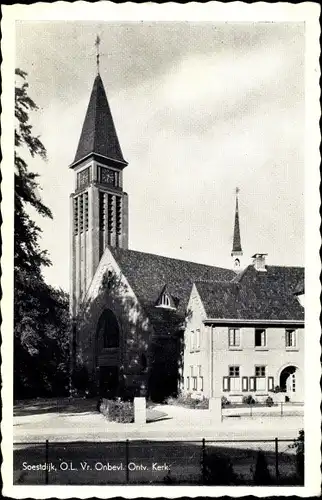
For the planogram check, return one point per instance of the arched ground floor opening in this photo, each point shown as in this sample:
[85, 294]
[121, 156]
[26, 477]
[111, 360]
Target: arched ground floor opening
[291, 383]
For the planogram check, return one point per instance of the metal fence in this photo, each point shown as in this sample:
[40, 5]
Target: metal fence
[212, 462]
[240, 410]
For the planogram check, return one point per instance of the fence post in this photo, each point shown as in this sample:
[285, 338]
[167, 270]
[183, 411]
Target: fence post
[127, 460]
[251, 410]
[281, 408]
[46, 461]
[276, 461]
[203, 461]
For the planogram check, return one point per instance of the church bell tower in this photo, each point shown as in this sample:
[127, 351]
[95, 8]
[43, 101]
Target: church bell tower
[99, 206]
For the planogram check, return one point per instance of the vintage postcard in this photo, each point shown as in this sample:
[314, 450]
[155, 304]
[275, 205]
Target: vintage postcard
[161, 250]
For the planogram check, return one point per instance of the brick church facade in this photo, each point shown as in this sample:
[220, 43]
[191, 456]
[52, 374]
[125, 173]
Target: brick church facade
[130, 309]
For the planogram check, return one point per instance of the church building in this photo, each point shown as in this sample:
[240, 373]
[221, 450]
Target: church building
[152, 325]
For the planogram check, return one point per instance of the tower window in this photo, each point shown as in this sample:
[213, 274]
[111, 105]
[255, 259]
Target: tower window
[110, 213]
[118, 215]
[75, 216]
[81, 214]
[86, 210]
[102, 211]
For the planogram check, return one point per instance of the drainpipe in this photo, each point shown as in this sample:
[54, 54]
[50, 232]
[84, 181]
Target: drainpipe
[211, 362]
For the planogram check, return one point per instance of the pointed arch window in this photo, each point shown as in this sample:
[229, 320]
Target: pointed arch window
[108, 330]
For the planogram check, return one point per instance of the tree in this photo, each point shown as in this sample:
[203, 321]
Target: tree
[40, 311]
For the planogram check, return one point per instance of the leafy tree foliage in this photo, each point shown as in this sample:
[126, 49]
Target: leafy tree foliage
[40, 312]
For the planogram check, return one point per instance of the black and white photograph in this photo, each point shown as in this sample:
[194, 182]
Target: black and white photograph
[162, 232]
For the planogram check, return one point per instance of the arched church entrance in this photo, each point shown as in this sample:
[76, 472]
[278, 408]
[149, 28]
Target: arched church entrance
[290, 383]
[108, 355]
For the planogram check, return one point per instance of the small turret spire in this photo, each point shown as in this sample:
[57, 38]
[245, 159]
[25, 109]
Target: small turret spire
[237, 251]
[97, 45]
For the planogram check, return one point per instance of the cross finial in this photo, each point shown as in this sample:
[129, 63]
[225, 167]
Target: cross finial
[97, 45]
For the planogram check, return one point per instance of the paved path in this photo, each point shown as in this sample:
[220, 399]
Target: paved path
[79, 421]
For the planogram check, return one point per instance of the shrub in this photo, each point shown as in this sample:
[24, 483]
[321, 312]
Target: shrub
[188, 401]
[224, 402]
[249, 400]
[262, 475]
[117, 411]
[269, 401]
[299, 449]
[218, 470]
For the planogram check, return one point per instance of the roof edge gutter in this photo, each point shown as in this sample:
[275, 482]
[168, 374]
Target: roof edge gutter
[254, 321]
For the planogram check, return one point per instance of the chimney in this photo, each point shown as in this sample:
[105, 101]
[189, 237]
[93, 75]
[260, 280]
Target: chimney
[259, 261]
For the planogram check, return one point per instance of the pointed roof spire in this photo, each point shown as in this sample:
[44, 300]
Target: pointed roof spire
[98, 134]
[237, 249]
[97, 45]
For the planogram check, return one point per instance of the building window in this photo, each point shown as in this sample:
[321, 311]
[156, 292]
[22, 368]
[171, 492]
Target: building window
[165, 301]
[197, 338]
[83, 178]
[225, 384]
[192, 341]
[252, 383]
[270, 383]
[260, 371]
[260, 337]
[200, 378]
[234, 378]
[108, 331]
[234, 371]
[290, 338]
[234, 337]
[188, 383]
[245, 383]
[260, 374]
[195, 382]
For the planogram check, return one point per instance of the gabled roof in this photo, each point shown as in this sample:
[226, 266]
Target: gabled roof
[255, 295]
[150, 274]
[98, 134]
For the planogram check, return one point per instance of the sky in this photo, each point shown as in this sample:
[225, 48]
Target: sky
[199, 108]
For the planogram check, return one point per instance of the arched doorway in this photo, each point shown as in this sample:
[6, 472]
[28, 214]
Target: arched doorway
[289, 382]
[107, 340]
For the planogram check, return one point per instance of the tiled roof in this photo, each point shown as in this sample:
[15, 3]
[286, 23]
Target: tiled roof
[148, 274]
[98, 133]
[255, 295]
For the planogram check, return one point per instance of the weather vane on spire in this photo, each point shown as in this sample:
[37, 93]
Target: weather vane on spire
[97, 45]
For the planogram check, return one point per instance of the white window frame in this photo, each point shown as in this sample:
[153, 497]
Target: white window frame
[263, 338]
[232, 337]
[260, 377]
[197, 339]
[290, 335]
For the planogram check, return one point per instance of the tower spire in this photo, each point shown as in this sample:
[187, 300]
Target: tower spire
[237, 251]
[97, 45]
